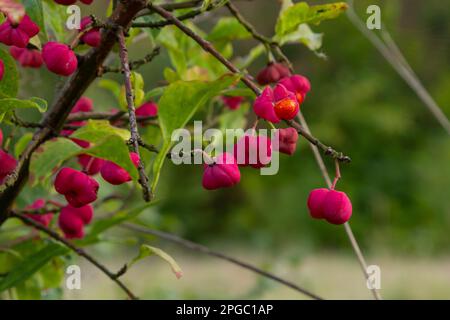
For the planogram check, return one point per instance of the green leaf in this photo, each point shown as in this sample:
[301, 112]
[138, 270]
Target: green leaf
[9, 85]
[36, 12]
[146, 251]
[107, 142]
[96, 130]
[154, 93]
[178, 104]
[100, 226]
[304, 35]
[8, 105]
[110, 85]
[50, 156]
[22, 144]
[239, 92]
[30, 265]
[55, 16]
[113, 148]
[228, 29]
[301, 12]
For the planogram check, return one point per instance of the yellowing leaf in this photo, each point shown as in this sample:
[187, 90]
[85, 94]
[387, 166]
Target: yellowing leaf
[146, 251]
[299, 13]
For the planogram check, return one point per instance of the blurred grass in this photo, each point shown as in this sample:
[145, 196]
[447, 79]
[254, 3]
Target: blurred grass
[330, 275]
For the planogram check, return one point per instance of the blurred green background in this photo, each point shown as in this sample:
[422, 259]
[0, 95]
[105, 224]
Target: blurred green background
[399, 178]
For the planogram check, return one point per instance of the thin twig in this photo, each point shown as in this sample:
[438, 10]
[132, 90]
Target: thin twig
[203, 249]
[393, 55]
[208, 47]
[135, 138]
[76, 249]
[347, 227]
[315, 145]
[329, 151]
[273, 45]
[133, 64]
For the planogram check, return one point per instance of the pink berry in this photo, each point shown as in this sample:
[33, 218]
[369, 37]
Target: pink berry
[18, 35]
[78, 188]
[315, 202]
[223, 173]
[70, 223]
[297, 84]
[84, 104]
[91, 37]
[148, 109]
[233, 103]
[43, 219]
[7, 165]
[331, 205]
[31, 58]
[263, 106]
[87, 1]
[91, 165]
[116, 175]
[337, 207]
[287, 140]
[276, 105]
[273, 73]
[1, 137]
[255, 151]
[2, 69]
[59, 58]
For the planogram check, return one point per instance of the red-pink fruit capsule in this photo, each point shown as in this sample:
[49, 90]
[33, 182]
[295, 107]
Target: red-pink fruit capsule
[91, 165]
[43, 219]
[148, 109]
[297, 84]
[78, 188]
[273, 73]
[286, 105]
[85, 213]
[84, 104]
[287, 140]
[223, 173]
[59, 58]
[18, 34]
[337, 207]
[87, 1]
[316, 202]
[7, 165]
[115, 174]
[91, 37]
[255, 151]
[1, 137]
[31, 58]
[264, 106]
[70, 223]
[233, 103]
[2, 69]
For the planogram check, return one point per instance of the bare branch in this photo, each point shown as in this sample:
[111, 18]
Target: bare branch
[135, 138]
[203, 249]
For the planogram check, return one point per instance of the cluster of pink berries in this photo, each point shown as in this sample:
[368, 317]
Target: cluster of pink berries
[59, 58]
[78, 187]
[280, 103]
